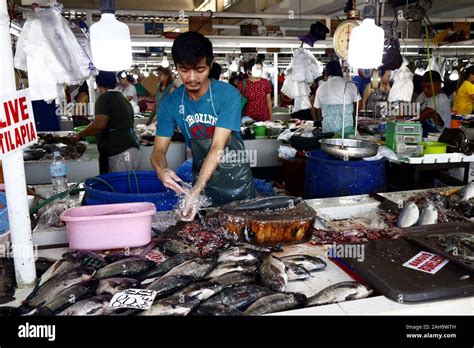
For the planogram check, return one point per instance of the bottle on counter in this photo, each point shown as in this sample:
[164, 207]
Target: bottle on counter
[58, 169]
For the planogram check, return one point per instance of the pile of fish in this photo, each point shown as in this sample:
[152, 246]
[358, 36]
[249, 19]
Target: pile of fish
[456, 206]
[460, 245]
[243, 279]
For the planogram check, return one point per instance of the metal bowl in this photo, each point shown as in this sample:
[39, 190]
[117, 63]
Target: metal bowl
[349, 148]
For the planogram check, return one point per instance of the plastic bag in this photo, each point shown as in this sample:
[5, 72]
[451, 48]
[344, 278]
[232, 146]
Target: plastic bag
[286, 152]
[402, 89]
[285, 135]
[383, 152]
[50, 215]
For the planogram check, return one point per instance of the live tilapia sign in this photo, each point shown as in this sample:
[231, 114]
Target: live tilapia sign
[17, 122]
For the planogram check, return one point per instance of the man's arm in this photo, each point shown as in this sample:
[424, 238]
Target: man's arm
[159, 163]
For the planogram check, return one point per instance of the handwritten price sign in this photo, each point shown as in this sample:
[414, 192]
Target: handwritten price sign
[133, 298]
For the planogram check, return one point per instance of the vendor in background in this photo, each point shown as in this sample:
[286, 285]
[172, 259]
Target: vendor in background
[329, 100]
[431, 120]
[464, 100]
[127, 88]
[165, 87]
[208, 114]
[374, 96]
[113, 127]
[81, 98]
[258, 92]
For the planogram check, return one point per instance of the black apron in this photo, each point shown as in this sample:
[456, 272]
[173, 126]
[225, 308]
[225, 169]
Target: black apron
[232, 180]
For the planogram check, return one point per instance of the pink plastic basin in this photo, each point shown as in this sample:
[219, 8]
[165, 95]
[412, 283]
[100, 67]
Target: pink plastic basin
[111, 226]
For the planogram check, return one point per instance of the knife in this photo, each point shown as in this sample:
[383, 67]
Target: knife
[386, 204]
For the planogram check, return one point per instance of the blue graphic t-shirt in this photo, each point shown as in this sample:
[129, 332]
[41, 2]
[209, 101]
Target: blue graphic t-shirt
[197, 119]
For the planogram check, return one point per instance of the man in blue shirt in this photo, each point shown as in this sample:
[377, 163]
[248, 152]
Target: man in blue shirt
[208, 114]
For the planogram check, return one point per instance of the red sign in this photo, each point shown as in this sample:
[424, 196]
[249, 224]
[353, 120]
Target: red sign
[17, 122]
[426, 262]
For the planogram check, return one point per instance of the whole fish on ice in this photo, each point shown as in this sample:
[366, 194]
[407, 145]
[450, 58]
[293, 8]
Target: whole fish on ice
[409, 215]
[429, 215]
[344, 291]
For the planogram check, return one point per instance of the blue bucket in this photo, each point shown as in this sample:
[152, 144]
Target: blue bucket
[4, 225]
[327, 176]
[145, 187]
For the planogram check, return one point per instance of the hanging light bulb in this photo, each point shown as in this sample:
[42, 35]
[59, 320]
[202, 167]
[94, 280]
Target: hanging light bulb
[111, 45]
[165, 62]
[366, 42]
[454, 75]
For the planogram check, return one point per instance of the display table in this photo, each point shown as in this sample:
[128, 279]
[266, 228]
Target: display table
[334, 208]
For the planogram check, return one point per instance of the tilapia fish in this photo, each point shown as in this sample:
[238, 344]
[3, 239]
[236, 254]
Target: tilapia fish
[216, 309]
[229, 267]
[175, 305]
[7, 280]
[129, 267]
[409, 215]
[237, 255]
[276, 303]
[113, 285]
[42, 264]
[202, 290]
[96, 305]
[58, 283]
[236, 278]
[273, 274]
[295, 272]
[85, 258]
[56, 268]
[168, 285]
[174, 246]
[166, 266]
[309, 263]
[197, 268]
[344, 291]
[68, 297]
[239, 297]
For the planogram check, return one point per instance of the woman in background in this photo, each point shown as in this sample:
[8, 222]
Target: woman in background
[258, 92]
[373, 96]
[464, 100]
[165, 87]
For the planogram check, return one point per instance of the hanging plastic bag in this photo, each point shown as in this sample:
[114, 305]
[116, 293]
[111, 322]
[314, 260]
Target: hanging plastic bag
[402, 89]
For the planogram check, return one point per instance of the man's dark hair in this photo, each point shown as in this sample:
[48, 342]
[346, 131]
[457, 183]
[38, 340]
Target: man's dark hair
[106, 79]
[333, 68]
[216, 71]
[434, 75]
[190, 47]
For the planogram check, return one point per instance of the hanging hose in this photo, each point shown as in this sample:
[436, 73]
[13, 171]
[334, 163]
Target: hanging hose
[66, 193]
[429, 69]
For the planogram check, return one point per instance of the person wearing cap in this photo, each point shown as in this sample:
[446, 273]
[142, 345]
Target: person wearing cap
[207, 112]
[330, 98]
[113, 127]
[435, 112]
[127, 89]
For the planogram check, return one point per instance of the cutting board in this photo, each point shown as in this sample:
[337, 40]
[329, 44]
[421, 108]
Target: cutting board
[382, 267]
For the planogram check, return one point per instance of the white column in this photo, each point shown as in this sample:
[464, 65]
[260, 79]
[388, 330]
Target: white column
[275, 80]
[91, 80]
[14, 173]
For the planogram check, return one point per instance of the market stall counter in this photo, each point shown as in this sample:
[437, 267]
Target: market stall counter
[312, 272]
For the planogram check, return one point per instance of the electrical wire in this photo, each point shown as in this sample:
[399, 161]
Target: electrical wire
[429, 69]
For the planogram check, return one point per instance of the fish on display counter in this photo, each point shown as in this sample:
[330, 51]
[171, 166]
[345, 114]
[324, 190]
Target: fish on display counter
[276, 303]
[340, 292]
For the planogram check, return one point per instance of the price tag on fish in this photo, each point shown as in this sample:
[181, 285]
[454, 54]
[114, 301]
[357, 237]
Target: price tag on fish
[133, 298]
[426, 262]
